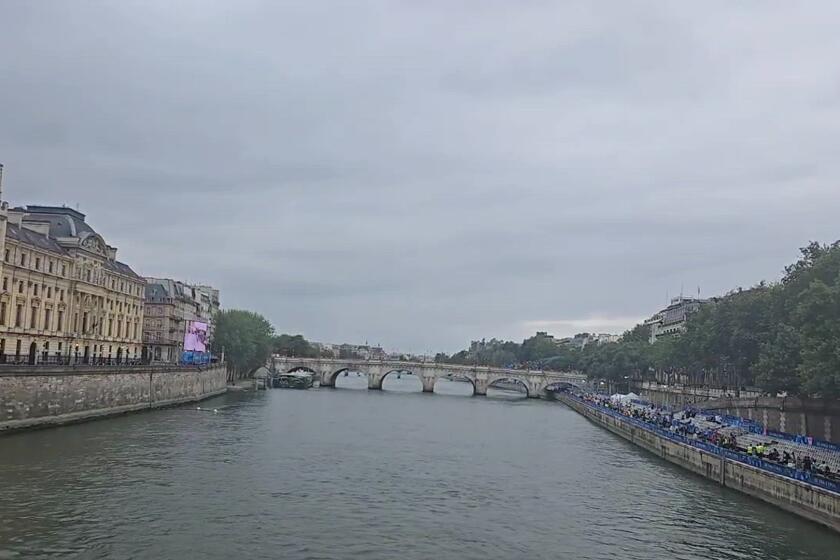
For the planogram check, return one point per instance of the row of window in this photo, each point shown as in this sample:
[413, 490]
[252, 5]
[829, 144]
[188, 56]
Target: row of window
[37, 289]
[98, 349]
[93, 276]
[50, 266]
[24, 260]
[20, 318]
[44, 321]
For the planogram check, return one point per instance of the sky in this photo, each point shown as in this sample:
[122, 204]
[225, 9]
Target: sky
[420, 174]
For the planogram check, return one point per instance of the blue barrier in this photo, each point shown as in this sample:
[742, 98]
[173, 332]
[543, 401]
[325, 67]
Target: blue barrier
[803, 476]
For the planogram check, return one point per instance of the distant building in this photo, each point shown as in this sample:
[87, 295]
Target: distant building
[170, 306]
[361, 351]
[672, 320]
[207, 298]
[604, 338]
[580, 340]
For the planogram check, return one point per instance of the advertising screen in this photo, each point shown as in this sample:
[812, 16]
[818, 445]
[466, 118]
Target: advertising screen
[195, 339]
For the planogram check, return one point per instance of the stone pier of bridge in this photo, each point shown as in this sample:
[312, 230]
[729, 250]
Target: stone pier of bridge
[482, 378]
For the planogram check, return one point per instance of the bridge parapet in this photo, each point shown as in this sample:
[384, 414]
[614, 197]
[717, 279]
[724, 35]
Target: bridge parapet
[481, 377]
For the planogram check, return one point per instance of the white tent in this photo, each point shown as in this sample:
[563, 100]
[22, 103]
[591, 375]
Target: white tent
[618, 397]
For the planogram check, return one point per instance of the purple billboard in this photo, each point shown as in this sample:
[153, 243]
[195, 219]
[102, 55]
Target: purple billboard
[195, 340]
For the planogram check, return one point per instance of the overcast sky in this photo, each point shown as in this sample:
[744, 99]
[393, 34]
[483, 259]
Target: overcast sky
[419, 174]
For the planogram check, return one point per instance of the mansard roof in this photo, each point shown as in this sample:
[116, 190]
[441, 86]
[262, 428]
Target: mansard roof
[34, 239]
[64, 222]
[121, 268]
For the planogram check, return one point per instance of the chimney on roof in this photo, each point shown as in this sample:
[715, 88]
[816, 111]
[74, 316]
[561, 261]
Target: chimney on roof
[3, 204]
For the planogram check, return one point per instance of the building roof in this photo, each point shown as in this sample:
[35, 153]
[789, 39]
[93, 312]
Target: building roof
[121, 268]
[158, 290]
[64, 222]
[35, 239]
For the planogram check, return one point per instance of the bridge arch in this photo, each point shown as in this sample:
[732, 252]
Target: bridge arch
[559, 386]
[492, 384]
[397, 373]
[332, 377]
[457, 377]
[351, 376]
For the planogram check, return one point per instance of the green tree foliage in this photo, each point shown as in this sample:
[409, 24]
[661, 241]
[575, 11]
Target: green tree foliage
[245, 337]
[294, 345]
[813, 287]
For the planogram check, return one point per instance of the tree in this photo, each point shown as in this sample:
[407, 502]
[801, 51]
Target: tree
[817, 315]
[245, 338]
[294, 345]
[778, 362]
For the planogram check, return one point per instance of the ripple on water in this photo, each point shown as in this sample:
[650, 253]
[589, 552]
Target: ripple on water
[337, 474]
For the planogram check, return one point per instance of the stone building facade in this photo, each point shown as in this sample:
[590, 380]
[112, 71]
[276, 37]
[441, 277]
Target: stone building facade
[170, 305]
[672, 320]
[65, 297]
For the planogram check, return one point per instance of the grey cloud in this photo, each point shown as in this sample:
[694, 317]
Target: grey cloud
[419, 174]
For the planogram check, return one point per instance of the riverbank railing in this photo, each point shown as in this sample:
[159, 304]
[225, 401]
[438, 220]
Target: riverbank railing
[808, 477]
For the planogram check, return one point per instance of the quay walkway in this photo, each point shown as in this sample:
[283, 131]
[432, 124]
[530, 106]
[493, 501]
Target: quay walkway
[800, 491]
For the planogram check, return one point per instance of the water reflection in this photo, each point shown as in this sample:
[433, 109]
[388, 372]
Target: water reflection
[453, 387]
[402, 382]
[507, 389]
[351, 380]
[361, 474]
[509, 394]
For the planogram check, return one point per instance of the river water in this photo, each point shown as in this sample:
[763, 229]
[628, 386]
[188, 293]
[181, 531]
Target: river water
[336, 473]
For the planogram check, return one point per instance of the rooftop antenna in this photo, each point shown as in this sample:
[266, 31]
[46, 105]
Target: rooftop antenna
[682, 285]
[1, 181]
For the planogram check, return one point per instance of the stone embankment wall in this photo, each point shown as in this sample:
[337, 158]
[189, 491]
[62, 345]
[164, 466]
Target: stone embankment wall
[810, 417]
[682, 395]
[797, 497]
[35, 397]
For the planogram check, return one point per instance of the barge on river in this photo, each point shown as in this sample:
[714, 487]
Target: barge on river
[294, 380]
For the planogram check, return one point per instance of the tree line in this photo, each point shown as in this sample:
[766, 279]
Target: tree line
[780, 337]
[247, 340]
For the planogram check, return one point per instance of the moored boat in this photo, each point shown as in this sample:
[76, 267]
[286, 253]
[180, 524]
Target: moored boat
[294, 380]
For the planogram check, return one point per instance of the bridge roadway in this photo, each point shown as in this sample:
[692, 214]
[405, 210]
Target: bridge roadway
[327, 370]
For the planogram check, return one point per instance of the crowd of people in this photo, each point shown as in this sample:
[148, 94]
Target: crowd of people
[714, 430]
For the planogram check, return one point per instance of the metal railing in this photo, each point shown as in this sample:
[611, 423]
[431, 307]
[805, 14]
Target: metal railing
[73, 360]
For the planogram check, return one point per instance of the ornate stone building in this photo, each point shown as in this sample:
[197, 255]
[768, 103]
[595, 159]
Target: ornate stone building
[65, 297]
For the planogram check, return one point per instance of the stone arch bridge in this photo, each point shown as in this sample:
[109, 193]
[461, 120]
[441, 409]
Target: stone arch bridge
[327, 370]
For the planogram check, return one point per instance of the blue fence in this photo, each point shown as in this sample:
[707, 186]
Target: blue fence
[781, 470]
[758, 428]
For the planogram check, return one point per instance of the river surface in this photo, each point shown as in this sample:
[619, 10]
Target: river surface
[337, 473]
